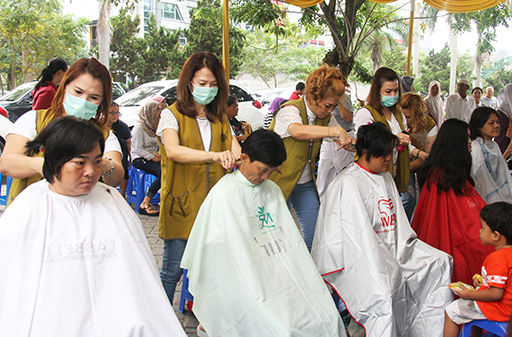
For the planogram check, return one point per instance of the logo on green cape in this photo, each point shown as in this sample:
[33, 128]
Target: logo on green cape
[265, 218]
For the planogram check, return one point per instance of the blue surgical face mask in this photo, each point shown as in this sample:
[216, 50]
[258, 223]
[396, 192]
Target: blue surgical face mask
[80, 108]
[204, 95]
[389, 101]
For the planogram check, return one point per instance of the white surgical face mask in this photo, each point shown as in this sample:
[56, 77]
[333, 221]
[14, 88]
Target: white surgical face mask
[80, 108]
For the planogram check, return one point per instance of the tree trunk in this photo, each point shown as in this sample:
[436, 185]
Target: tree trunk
[478, 62]
[342, 53]
[453, 61]
[103, 33]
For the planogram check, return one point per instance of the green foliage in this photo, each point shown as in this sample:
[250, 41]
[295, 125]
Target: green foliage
[31, 33]
[124, 45]
[486, 23]
[436, 66]
[499, 79]
[142, 59]
[267, 55]
[205, 34]
[350, 23]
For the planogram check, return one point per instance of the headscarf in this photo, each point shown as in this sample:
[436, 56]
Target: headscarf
[505, 100]
[149, 115]
[435, 104]
[276, 103]
[406, 83]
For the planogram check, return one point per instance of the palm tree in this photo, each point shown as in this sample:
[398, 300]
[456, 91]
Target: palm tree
[103, 32]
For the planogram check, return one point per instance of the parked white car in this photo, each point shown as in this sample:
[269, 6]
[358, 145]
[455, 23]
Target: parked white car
[5, 127]
[268, 95]
[249, 108]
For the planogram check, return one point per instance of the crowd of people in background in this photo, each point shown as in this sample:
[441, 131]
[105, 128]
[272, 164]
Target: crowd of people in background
[399, 205]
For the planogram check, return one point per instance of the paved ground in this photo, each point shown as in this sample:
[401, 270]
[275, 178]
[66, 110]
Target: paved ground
[187, 319]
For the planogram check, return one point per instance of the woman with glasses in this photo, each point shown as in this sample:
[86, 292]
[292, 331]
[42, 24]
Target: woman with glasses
[302, 124]
[85, 92]
[124, 136]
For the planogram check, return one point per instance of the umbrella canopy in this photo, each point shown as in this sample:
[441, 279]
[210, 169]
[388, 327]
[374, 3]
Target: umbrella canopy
[452, 6]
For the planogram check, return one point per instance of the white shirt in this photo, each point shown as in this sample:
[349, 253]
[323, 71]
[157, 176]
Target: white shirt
[26, 126]
[169, 121]
[291, 114]
[460, 108]
[490, 102]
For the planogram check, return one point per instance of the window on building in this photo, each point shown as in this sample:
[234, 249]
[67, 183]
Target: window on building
[148, 10]
[171, 11]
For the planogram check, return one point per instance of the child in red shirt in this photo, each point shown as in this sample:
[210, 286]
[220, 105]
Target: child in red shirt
[493, 298]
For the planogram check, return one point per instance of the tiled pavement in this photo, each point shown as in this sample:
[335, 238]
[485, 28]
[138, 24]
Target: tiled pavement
[187, 319]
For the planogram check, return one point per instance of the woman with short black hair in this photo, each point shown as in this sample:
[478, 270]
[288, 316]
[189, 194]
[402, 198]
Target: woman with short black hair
[74, 260]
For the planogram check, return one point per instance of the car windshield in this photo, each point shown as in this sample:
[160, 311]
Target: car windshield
[18, 92]
[135, 96]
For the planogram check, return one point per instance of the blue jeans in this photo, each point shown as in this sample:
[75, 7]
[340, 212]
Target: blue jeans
[304, 200]
[409, 197]
[171, 272]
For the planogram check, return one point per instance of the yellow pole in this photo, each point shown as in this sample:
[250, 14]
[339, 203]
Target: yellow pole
[411, 26]
[225, 39]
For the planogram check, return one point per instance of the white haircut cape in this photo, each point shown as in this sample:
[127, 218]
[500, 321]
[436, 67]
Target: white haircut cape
[392, 283]
[79, 266]
[250, 272]
[490, 172]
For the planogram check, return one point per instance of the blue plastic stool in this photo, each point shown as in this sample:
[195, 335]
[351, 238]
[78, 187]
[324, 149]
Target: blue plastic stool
[495, 328]
[138, 184]
[185, 295]
[147, 183]
[4, 198]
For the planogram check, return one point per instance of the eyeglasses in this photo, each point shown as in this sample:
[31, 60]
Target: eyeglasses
[114, 113]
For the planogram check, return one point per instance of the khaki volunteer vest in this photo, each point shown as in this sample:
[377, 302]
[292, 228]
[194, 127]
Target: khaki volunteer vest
[299, 153]
[185, 186]
[403, 168]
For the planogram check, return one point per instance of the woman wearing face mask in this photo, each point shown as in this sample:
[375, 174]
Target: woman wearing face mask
[302, 124]
[197, 149]
[85, 92]
[383, 107]
[46, 88]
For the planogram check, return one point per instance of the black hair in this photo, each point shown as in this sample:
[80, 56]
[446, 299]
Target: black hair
[300, 86]
[231, 100]
[376, 139]
[265, 146]
[62, 140]
[53, 66]
[477, 88]
[498, 216]
[478, 119]
[449, 163]
[114, 104]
